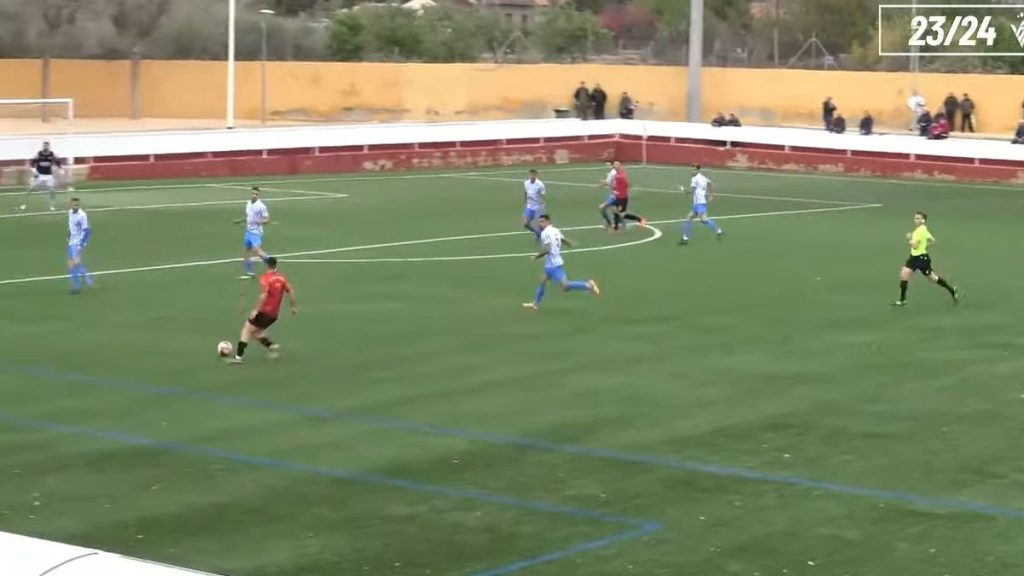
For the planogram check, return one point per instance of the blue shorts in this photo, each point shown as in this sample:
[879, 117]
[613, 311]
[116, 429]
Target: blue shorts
[610, 200]
[554, 273]
[700, 209]
[74, 251]
[531, 214]
[253, 240]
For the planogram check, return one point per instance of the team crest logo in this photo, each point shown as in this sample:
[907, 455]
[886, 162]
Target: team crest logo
[1018, 30]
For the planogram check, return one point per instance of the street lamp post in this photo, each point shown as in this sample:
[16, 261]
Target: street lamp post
[263, 64]
[232, 11]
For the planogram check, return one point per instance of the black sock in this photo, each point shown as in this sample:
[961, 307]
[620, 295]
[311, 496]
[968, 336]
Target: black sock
[266, 342]
[618, 220]
[632, 217]
[903, 290]
[942, 282]
[241, 348]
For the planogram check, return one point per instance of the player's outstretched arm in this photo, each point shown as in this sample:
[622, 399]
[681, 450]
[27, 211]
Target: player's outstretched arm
[291, 296]
[542, 253]
[567, 242]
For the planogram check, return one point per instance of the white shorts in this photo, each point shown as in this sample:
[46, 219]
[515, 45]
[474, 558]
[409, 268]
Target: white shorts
[47, 181]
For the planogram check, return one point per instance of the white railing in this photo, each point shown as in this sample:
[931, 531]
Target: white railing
[338, 136]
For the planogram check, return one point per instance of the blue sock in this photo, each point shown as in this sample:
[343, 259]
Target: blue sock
[540, 294]
[687, 228]
[76, 280]
[248, 265]
[578, 285]
[530, 227]
[84, 272]
[265, 258]
[607, 218]
[711, 224]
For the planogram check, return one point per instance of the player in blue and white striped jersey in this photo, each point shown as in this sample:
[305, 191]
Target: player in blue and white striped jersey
[609, 201]
[256, 216]
[700, 187]
[554, 265]
[78, 238]
[534, 194]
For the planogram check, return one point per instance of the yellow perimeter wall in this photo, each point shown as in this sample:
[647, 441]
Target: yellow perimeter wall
[388, 92]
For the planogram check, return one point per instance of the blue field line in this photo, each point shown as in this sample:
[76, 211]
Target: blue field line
[639, 527]
[946, 504]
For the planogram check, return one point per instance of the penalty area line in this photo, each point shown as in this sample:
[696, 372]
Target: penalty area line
[657, 234]
[286, 255]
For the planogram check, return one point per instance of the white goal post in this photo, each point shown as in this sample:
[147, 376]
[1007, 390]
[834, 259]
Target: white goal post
[45, 117]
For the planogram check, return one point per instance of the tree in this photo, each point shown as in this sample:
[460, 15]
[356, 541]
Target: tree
[567, 33]
[136, 21]
[450, 34]
[294, 7]
[496, 33]
[392, 32]
[836, 23]
[347, 41]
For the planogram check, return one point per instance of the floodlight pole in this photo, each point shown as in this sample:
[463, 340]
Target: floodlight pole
[263, 64]
[232, 12]
[695, 61]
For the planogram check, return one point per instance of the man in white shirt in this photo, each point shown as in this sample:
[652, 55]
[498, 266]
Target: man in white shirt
[78, 238]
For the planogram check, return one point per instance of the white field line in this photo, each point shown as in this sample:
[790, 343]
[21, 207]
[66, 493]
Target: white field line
[248, 183]
[272, 189]
[848, 178]
[409, 243]
[657, 234]
[678, 191]
[239, 202]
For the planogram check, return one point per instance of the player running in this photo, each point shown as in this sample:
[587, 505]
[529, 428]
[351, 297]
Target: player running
[700, 187]
[609, 183]
[554, 270]
[621, 190]
[920, 261]
[78, 238]
[42, 165]
[256, 217]
[273, 287]
[533, 197]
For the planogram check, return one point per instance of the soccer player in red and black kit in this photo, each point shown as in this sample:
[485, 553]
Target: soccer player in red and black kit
[621, 190]
[273, 287]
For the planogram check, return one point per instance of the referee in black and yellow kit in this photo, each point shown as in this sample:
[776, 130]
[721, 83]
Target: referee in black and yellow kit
[920, 261]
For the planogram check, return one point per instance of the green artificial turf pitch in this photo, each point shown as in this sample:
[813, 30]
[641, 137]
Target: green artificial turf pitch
[751, 407]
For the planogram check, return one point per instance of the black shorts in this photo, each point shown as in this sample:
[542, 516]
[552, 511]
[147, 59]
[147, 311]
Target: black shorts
[621, 204]
[921, 263]
[262, 320]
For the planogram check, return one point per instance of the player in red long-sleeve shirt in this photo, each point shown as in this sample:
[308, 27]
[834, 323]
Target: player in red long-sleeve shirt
[621, 189]
[273, 287]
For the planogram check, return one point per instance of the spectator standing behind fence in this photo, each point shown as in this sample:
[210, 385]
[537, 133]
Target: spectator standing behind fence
[966, 114]
[1018, 138]
[828, 110]
[719, 120]
[733, 120]
[600, 99]
[867, 124]
[916, 105]
[839, 124]
[581, 97]
[626, 107]
[951, 104]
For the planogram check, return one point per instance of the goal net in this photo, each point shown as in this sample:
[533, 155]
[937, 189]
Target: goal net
[45, 119]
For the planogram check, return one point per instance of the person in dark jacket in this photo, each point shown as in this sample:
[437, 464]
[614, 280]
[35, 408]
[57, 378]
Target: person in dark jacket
[951, 104]
[1018, 138]
[600, 99]
[719, 120]
[867, 124]
[839, 124]
[581, 98]
[828, 110]
[733, 120]
[626, 107]
[966, 114]
[924, 122]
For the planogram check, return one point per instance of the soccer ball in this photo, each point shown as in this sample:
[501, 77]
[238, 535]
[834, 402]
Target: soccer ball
[224, 349]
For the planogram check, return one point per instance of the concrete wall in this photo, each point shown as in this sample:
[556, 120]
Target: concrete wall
[389, 92]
